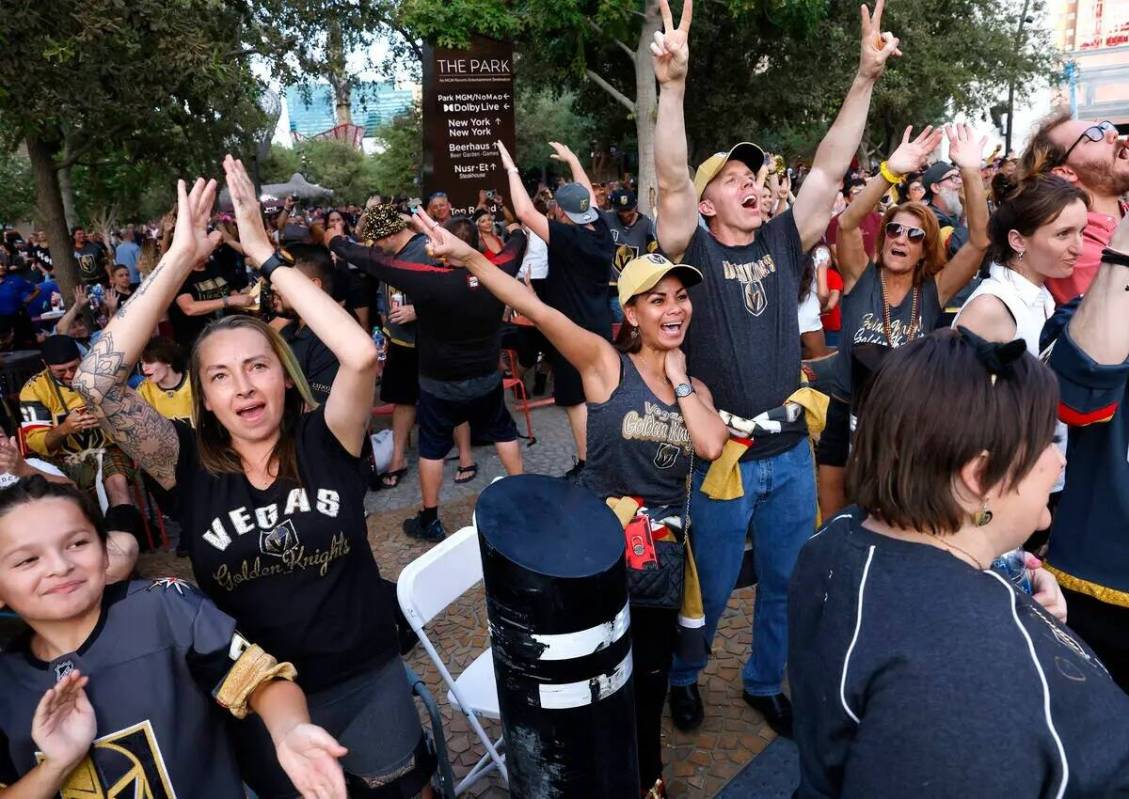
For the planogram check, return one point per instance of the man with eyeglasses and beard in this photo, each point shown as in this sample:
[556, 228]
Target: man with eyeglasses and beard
[1095, 157]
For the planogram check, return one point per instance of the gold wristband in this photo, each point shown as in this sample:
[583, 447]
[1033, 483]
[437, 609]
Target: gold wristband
[889, 175]
[253, 668]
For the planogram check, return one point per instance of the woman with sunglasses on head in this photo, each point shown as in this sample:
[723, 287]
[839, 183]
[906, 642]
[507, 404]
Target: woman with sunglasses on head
[898, 296]
[272, 499]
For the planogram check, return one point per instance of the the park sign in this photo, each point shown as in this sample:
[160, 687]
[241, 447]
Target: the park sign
[468, 105]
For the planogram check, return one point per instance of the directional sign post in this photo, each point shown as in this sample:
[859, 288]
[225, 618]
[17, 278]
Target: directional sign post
[468, 105]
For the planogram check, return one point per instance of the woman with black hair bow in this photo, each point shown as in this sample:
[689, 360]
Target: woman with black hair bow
[915, 669]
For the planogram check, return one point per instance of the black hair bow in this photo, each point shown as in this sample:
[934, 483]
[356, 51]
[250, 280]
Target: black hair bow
[997, 358]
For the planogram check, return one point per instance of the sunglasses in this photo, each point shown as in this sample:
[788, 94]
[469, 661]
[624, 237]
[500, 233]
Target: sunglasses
[893, 230]
[1094, 133]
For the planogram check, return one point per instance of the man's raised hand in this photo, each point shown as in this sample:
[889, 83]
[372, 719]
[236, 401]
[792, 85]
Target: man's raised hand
[877, 45]
[670, 50]
[507, 160]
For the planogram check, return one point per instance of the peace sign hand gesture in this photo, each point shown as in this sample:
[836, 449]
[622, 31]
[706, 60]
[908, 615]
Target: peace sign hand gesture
[912, 155]
[441, 243]
[877, 46]
[670, 50]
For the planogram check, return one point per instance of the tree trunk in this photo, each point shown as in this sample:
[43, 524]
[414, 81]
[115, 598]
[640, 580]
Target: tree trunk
[51, 214]
[66, 188]
[338, 74]
[646, 109]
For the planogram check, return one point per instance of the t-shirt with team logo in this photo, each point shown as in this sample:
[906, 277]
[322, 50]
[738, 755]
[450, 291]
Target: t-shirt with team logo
[209, 283]
[638, 445]
[291, 563]
[90, 259]
[158, 652]
[630, 242]
[744, 339]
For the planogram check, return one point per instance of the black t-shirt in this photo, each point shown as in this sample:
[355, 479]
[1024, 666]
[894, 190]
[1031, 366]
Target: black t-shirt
[90, 263]
[914, 674]
[231, 266]
[458, 322]
[318, 362]
[744, 339]
[579, 265]
[157, 653]
[291, 563]
[209, 283]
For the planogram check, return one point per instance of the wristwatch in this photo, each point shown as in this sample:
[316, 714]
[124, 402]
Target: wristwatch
[280, 258]
[683, 390]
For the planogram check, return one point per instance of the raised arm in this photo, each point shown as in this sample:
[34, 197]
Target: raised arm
[908, 157]
[564, 154]
[593, 357]
[529, 216]
[349, 405]
[678, 201]
[1098, 327]
[81, 302]
[833, 157]
[965, 151]
[137, 428]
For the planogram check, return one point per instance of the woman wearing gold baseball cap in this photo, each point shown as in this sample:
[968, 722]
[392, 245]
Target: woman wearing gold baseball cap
[646, 420]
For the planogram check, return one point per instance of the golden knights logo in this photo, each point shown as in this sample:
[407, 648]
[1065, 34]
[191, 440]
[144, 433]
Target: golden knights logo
[122, 765]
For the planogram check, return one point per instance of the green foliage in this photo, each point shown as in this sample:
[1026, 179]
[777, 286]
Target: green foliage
[541, 116]
[17, 189]
[142, 79]
[396, 169]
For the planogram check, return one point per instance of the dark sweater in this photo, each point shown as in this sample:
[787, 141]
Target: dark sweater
[913, 674]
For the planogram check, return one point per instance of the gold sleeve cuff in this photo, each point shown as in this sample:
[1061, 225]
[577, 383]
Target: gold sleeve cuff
[253, 668]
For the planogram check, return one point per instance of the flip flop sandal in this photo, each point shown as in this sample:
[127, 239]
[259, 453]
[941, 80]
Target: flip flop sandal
[395, 477]
[473, 469]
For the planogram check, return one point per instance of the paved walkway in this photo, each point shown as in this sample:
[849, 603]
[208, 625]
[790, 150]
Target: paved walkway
[697, 765]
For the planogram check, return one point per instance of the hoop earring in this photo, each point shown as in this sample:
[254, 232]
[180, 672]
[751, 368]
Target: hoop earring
[982, 517]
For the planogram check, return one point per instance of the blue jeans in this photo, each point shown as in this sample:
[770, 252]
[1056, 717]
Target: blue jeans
[778, 509]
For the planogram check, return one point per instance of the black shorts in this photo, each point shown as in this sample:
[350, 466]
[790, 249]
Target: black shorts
[835, 442]
[372, 714]
[399, 382]
[488, 415]
[568, 390]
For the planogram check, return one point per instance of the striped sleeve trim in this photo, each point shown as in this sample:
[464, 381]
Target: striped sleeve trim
[1076, 418]
[1102, 593]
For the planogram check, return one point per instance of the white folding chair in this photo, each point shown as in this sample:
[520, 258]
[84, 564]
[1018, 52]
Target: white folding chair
[426, 587]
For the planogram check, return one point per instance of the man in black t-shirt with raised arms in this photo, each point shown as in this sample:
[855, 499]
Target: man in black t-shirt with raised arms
[205, 295]
[580, 250]
[459, 340]
[744, 344]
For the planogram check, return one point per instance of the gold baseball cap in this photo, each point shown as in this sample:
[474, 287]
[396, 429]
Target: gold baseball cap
[746, 152]
[643, 274]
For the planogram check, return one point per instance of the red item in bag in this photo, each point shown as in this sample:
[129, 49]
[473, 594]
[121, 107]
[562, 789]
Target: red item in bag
[640, 544]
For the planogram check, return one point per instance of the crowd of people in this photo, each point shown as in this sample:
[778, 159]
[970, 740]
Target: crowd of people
[900, 382]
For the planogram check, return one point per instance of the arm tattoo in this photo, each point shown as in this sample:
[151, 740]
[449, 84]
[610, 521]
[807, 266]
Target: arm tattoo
[102, 368]
[141, 432]
[144, 287]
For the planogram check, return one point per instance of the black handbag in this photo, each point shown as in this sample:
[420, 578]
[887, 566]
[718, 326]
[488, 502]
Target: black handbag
[662, 587]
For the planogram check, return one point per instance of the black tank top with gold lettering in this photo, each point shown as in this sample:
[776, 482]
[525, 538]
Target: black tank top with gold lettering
[638, 445]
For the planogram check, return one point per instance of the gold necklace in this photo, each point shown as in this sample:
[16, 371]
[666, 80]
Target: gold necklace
[911, 331]
[963, 551]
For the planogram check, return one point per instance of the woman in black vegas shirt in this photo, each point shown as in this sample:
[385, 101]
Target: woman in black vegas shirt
[272, 500]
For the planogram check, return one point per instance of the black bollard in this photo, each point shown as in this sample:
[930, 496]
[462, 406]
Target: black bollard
[556, 595]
